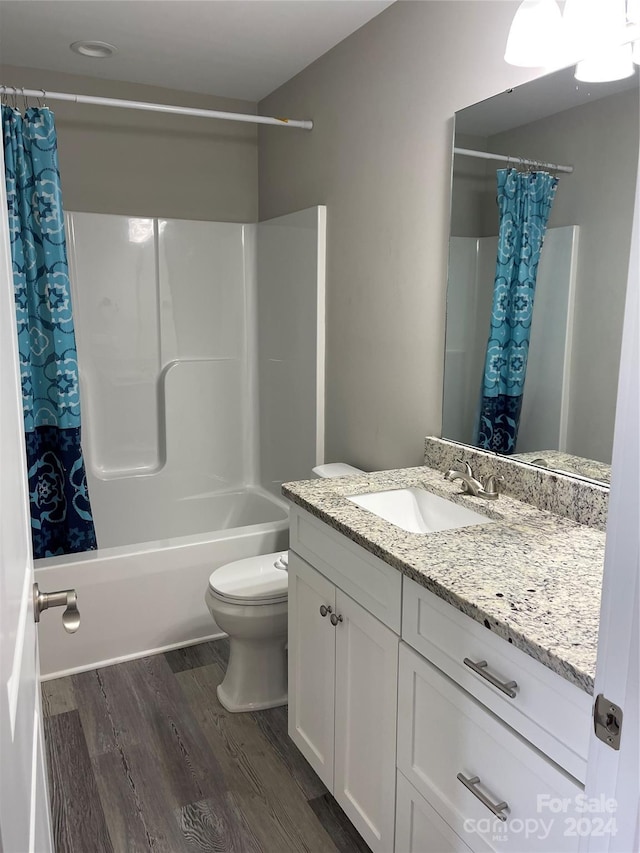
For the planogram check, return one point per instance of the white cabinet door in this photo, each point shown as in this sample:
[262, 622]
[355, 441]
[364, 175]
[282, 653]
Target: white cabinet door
[365, 722]
[312, 643]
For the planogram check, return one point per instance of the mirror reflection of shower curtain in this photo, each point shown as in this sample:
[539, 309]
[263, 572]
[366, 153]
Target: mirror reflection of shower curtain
[524, 201]
[61, 519]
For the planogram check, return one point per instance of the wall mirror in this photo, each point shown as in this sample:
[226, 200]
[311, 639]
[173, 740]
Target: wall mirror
[574, 334]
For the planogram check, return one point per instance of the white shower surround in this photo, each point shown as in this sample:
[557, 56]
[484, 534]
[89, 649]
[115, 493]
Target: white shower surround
[201, 352]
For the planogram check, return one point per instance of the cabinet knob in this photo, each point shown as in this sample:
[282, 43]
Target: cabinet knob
[335, 619]
[324, 609]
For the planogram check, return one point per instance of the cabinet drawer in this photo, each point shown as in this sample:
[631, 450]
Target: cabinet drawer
[546, 709]
[367, 579]
[419, 827]
[444, 732]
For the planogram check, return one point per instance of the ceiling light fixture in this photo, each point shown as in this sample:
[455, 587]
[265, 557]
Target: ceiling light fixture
[592, 27]
[633, 14]
[596, 34]
[94, 49]
[611, 64]
[533, 38]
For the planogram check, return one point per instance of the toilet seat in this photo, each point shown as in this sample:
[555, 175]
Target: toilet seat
[256, 675]
[254, 580]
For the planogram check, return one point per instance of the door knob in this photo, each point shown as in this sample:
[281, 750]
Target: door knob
[66, 598]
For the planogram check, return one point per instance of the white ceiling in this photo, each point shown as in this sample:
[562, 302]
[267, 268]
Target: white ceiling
[235, 48]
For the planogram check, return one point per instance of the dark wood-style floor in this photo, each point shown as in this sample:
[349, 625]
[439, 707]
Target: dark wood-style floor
[142, 757]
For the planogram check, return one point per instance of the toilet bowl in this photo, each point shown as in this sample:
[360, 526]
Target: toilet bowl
[248, 600]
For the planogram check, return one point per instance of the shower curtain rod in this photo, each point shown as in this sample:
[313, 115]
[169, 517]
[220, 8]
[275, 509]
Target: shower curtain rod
[13, 91]
[521, 161]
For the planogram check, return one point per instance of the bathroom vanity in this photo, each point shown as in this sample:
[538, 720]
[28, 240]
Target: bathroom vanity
[441, 684]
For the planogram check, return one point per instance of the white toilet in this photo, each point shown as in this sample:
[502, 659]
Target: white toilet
[248, 600]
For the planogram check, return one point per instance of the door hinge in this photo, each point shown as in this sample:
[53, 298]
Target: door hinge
[607, 720]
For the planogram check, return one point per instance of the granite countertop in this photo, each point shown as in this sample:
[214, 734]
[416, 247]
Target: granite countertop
[568, 463]
[532, 577]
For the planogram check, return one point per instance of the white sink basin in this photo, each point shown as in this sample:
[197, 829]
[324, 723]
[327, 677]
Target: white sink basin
[418, 511]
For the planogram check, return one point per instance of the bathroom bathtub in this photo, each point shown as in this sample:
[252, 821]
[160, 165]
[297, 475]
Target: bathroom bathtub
[145, 598]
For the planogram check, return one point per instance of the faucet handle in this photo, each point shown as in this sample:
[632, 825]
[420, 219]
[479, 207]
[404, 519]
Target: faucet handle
[459, 468]
[464, 466]
[492, 486]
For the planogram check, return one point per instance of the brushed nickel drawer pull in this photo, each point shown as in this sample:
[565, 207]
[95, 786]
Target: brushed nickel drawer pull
[470, 784]
[507, 687]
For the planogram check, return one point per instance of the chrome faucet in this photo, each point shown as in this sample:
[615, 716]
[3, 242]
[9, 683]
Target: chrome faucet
[470, 485]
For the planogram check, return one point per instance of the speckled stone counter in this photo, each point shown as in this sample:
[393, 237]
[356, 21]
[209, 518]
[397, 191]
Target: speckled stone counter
[531, 577]
[562, 494]
[557, 460]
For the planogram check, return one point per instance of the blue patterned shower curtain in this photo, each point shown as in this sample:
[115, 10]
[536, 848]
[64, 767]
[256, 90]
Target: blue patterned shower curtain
[524, 203]
[61, 520]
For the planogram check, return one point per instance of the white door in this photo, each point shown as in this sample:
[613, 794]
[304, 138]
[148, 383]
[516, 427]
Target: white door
[612, 775]
[24, 810]
[312, 643]
[365, 722]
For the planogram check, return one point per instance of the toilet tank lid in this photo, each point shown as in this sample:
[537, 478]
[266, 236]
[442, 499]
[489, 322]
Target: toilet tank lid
[251, 579]
[336, 469]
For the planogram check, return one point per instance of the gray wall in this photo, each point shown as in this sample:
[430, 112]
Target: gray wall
[379, 157]
[148, 164]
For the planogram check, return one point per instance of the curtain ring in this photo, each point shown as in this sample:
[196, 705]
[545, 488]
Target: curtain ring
[42, 102]
[25, 103]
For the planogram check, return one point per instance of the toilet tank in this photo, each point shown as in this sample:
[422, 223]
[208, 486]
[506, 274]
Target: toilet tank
[335, 469]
